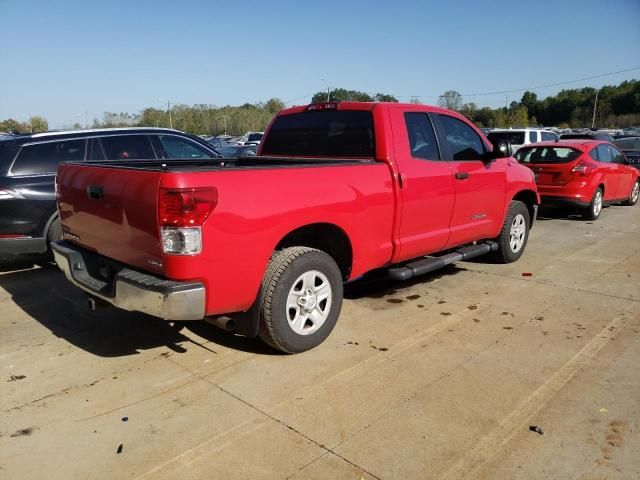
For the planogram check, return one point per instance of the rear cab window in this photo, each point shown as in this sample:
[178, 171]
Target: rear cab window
[332, 133]
[43, 158]
[123, 147]
[533, 137]
[547, 155]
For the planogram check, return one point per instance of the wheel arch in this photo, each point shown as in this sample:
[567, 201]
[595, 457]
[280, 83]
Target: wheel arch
[327, 237]
[530, 199]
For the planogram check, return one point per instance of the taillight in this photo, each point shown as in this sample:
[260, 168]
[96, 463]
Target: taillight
[583, 168]
[181, 213]
[187, 207]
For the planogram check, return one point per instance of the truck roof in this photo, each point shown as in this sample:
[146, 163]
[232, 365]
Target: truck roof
[348, 105]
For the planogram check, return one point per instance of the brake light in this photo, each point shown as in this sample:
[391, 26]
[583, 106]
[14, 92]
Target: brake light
[323, 106]
[181, 213]
[186, 207]
[583, 168]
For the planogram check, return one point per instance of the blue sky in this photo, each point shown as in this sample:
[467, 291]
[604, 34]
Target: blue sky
[60, 58]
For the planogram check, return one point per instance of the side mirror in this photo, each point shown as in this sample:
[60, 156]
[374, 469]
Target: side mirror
[501, 149]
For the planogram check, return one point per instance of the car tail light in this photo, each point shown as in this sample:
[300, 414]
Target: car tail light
[6, 194]
[583, 168]
[181, 213]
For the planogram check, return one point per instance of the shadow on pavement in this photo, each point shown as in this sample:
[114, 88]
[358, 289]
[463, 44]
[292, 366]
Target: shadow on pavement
[46, 295]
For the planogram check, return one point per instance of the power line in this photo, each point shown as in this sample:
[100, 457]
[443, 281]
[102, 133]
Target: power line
[502, 92]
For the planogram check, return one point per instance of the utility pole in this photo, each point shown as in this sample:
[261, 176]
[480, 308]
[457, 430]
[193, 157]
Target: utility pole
[169, 110]
[328, 88]
[86, 119]
[595, 105]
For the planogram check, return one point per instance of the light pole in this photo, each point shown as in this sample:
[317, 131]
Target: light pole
[168, 111]
[595, 106]
[328, 88]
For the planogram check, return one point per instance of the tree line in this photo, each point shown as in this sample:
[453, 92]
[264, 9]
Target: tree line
[618, 106]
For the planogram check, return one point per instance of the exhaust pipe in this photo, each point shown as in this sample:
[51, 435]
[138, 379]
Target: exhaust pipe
[225, 323]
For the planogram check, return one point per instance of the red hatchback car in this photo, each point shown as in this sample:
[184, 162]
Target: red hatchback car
[587, 174]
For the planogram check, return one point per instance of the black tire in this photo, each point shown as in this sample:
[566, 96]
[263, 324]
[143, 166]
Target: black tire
[54, 233]
[505, 252]
[283, 273]
[634, 194]
[594, 209]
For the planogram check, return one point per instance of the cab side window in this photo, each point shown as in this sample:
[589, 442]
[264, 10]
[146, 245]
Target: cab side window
[123, 147]
[464, 143]
[422, 138]
[43, 158]
[548, 137]
[533, 137]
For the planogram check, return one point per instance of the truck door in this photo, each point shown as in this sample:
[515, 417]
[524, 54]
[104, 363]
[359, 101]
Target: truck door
[479, 185]
[427, 187]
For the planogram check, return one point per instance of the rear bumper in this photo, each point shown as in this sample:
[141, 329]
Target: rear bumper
[19, 246]
[566, 195]
[564, 202]
[132, 290]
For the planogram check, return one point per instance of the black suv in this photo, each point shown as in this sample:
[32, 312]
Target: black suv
[28, 166]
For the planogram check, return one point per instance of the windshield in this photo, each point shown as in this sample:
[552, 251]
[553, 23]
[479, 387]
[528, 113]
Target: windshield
[334, 133]
[515, 138]
[546, 155]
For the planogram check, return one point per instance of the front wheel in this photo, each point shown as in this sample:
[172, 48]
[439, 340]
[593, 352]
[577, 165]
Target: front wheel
[595, 207]
[514, 234]
[301, 298]
[635, 193]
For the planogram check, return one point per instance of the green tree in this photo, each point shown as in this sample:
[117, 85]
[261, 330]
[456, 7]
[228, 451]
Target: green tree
[38, 124]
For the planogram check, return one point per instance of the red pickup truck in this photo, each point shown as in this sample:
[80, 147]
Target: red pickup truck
[262, 245]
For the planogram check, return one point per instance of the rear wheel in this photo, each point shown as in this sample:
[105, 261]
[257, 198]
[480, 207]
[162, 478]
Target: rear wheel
[595, 207]
[635, 193]
[301, 299]
[515, 233]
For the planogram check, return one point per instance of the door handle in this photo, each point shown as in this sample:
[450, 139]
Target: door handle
[95, 192]
[462, 175]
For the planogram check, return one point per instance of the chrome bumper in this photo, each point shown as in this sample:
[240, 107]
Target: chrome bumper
[132, 290]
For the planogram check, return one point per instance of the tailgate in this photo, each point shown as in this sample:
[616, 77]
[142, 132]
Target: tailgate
[113, 212]
[552, 174]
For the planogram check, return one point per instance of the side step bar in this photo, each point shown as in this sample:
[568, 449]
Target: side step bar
[430, 264]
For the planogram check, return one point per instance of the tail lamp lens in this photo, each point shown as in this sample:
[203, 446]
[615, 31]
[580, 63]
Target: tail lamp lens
[181, 241]
[582, 168]
[186, 207]
[181, 213]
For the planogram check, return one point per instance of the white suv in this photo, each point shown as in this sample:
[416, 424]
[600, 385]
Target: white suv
[519, 137]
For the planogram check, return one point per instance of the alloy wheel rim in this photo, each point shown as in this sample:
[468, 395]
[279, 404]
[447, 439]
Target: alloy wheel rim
[517, 233]
[597, 203]
[309, 302]
[635, 192]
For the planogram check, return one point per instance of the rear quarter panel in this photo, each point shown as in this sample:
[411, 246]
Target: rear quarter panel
[257, 208]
